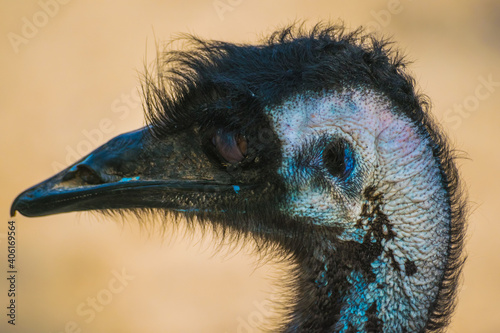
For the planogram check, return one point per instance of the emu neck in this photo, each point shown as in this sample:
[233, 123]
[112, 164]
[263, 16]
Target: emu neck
[336, 294]
[357, 280]
[357, 287]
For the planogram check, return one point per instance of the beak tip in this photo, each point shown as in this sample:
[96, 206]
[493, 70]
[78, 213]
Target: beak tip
[14, 207]
[21, 204]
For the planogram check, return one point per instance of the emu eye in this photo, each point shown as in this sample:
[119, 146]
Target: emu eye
[232, 147]
[338, 159]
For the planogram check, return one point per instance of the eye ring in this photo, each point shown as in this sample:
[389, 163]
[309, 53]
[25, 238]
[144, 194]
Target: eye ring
[338, 159]
[232, 147]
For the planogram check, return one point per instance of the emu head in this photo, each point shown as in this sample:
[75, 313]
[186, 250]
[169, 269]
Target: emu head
[315, 142]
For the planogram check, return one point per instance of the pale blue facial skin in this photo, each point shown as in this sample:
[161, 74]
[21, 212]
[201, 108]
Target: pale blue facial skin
[391, 155]
[130, 179]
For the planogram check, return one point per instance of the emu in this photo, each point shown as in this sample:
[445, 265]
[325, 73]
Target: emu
[316, 145]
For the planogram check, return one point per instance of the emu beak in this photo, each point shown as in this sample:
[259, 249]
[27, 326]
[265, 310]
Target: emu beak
[135, 170]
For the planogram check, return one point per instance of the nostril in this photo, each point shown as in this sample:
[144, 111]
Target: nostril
[84, 174]
[88, 175]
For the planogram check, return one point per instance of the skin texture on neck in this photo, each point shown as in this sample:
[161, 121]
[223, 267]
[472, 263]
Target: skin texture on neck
[386, 258]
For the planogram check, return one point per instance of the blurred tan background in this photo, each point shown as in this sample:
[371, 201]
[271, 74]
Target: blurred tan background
[79, 65]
